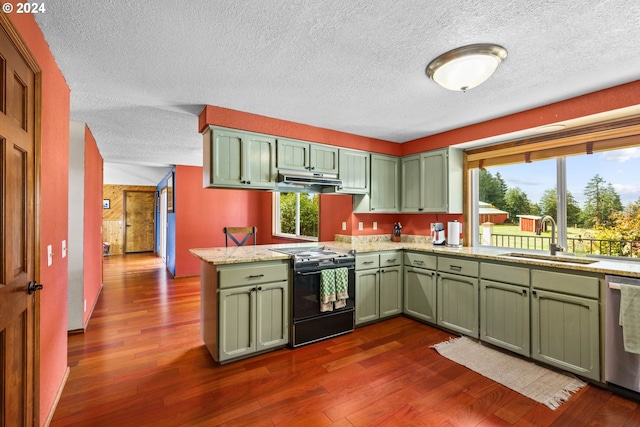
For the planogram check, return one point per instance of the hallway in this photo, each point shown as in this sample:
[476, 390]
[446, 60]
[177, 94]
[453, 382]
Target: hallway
[141, 363]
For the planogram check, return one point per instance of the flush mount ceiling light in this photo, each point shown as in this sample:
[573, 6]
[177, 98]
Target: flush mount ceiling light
[466, 67]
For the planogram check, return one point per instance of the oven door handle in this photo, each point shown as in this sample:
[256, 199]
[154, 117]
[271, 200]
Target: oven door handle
[311, 273]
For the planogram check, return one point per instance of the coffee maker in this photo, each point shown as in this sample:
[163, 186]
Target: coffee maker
[437, 233]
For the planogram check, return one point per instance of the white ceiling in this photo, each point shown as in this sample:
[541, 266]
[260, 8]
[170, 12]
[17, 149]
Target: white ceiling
[140, 71]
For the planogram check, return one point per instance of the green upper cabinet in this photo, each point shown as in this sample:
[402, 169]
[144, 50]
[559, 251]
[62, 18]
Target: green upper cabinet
[384, 195]
[305, 156]
[432, 182]
[238, 159]
[411, 184]
[354, 171]
[293, 155]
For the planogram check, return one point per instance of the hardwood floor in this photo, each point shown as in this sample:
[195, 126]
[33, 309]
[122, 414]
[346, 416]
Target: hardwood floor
[142, 363]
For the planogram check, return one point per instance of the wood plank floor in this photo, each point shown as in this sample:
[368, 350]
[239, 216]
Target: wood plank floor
[141, 363]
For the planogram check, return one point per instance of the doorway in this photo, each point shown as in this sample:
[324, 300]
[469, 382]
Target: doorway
[139, 221]
[163, 224]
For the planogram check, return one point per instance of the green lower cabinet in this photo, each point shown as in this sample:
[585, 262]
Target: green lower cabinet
[565, 332]
[390, 291]
[458, 303]
[420, 294]
[504, 316]
[252, 319]
[367, 294]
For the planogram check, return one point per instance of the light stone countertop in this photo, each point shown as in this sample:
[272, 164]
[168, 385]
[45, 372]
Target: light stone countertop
[236, 255]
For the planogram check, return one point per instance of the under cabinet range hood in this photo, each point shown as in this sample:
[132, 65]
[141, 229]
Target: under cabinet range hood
[307, 182]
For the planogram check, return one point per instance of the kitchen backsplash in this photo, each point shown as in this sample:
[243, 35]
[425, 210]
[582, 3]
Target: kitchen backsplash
[381, 238]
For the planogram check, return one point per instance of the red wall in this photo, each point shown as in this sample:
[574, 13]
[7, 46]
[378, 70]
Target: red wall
[93, 174]
[219, 116]
[621, 96]
[201, 214]
[54, 212]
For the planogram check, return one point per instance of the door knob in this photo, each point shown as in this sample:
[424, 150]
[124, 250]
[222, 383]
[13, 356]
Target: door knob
[33, 286]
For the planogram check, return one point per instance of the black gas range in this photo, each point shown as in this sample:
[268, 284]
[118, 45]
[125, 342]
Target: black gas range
[309, 322]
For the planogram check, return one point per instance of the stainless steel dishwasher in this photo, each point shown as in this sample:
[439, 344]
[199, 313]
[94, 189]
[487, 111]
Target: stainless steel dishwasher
[622, 369]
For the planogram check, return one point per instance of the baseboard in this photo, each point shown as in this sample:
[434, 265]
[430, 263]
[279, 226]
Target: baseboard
[56, 400]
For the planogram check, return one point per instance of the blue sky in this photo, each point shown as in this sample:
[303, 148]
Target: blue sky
[621, 168]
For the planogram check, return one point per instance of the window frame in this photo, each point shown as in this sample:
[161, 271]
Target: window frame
[276, 231]
[599, 137]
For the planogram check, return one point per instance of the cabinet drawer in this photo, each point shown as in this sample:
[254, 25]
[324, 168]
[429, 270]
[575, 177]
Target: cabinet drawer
[458, 266]
[242, 274]
[585, 286]
[367, 261]
[505, 273]
[419, 260]
[390, 258]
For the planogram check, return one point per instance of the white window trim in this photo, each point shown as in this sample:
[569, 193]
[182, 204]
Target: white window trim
[276, 220]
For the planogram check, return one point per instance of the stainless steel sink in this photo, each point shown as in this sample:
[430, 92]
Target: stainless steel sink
[552, 258]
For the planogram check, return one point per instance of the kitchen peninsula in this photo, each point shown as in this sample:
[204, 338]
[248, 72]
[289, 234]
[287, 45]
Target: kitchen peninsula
[513, 300]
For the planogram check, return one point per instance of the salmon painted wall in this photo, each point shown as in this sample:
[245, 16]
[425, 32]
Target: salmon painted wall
[235, 119]
[202, 213]
[621, 96]
[93, 174]
[54, 212]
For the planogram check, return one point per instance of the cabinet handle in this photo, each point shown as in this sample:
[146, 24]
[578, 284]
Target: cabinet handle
[259, 288]
[524, 292]
[419, 262]
[368, 262]
[248, 182]
[391, 260]
[255, 276]
[312, 167]
[420, 209]
[535, 294]
[455, 268]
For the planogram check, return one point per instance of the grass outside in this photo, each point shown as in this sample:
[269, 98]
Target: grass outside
[511, 236]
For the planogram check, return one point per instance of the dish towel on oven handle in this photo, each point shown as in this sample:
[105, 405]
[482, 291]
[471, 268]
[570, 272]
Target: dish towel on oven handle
[342, 287]
[630, 317]
[327, 289]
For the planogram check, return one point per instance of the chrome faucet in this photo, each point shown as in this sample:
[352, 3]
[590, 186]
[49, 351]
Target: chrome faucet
[553, 246]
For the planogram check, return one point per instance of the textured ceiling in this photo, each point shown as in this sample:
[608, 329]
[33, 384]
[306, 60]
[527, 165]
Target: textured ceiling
[140, 71]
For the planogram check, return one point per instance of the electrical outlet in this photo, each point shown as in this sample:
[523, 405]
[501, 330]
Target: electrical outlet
[361, 226]
[375, 225]
[344, 226]
[64, 249]
[49, 255]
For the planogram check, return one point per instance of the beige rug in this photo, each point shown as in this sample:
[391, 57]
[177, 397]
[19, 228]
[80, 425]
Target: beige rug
[540, 384]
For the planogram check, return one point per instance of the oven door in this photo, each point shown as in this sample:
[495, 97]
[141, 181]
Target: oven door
[306, 294]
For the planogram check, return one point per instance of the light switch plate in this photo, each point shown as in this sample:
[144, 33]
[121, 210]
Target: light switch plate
[344, 226]
[64, 249]
[375, 225]
[49, 255]
[361, 226]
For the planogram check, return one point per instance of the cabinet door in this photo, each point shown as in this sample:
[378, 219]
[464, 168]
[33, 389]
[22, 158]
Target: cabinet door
[565, 332]
[258, 162]
[504, 316]
[458, 303]
[384, 183]
[237, 322]
[390, 291]
[292, 155]
[420, 293]
[411, 184]
[434, 182]
[226, 158]
[353, 170]
[367, 303]
[272, 311]
[323, 158]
